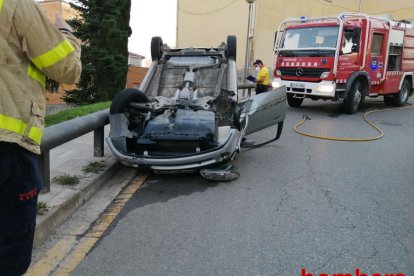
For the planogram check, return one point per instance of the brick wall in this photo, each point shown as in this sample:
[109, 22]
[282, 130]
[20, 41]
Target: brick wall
[135, 76]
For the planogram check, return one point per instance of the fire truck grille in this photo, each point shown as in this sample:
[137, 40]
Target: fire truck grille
[302, 72]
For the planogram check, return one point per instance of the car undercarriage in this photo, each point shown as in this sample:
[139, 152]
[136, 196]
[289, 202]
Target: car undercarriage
[187, 114]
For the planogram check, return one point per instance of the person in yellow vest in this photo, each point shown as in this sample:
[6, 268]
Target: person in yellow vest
[31, 49]
[262, 78]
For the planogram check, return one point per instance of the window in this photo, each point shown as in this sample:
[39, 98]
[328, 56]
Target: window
[350, 41]
[313, 37]
[376, 44]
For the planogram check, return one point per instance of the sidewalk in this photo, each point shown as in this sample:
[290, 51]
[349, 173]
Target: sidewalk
[62, 201]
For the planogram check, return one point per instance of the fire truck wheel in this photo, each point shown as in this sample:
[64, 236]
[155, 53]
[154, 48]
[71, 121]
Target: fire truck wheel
[400, 99]
[388, 101]
[354, 98]
[294, 102]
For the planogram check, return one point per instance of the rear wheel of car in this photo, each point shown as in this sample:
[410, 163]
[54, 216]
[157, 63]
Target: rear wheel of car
[122, 100]
[354, 98]
[156, 48]
[401, 98]
[294, 102]
[231, 47]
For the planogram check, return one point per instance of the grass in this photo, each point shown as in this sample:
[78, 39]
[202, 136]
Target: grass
[42, 208]
[67, 180]
[94, 167]
[72, 113]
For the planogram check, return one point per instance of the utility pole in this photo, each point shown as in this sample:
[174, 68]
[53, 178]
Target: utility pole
[247, 58]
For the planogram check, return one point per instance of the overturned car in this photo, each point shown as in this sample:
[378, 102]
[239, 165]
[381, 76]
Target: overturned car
[187, 115]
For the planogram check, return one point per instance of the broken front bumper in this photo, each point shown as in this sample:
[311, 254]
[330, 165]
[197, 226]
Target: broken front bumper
[180, 163]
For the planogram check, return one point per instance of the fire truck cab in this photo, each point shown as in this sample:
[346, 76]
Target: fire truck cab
[345, 57]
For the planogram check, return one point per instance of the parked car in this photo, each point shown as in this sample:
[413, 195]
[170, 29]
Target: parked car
[187, 116]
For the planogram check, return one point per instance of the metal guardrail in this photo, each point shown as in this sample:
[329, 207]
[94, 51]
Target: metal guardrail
[244, 86]
[59, 134]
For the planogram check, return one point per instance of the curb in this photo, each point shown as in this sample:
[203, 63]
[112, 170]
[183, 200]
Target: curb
[47, 224]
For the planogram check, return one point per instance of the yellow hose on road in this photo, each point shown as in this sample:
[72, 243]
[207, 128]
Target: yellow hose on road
[381, 133]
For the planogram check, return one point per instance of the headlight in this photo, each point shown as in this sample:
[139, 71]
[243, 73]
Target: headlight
[325, 88]
[324, 75]
[278, 73]
[276, 84]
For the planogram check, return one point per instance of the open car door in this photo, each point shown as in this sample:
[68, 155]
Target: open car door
[264, 110]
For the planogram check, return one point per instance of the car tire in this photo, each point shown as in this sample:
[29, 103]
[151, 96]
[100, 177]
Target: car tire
[354, 98]
[122, 100]
[231, 51]
[401, 98]
[156, 48]
[294, 102]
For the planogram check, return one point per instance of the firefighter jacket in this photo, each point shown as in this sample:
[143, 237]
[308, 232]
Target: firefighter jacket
[31, 48]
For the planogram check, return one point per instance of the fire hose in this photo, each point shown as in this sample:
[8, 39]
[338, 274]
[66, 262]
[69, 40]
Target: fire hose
[381, 133]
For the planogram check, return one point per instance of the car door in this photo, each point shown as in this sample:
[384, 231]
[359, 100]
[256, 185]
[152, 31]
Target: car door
[376, 59]
[264, 110]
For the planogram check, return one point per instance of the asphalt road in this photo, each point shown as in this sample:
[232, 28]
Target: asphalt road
[300, 203]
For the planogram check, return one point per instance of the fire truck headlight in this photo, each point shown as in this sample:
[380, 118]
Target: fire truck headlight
[276, 84]
[325, 88]
[324, 75]
[278, 73]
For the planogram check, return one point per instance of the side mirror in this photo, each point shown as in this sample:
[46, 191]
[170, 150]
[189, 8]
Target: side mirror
[275, 41]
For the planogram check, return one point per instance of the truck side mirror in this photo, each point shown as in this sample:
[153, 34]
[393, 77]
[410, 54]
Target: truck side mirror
[275, 41]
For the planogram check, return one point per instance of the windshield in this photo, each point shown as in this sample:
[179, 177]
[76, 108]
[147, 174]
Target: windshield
[312, 37]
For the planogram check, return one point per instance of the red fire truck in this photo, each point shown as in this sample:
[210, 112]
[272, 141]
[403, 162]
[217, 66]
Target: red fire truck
[345, 57]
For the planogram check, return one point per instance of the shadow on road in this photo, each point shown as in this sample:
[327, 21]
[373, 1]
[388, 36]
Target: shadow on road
[161, 188]
[336, 109]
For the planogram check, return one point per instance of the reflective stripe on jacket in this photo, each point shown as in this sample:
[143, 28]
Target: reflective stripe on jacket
[31, 48]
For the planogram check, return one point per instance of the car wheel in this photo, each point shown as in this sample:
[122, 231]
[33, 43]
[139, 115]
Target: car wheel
[401, 97]
[354, 98]
[156, 48]
[231, 47]
[294, 102]
[122, 100]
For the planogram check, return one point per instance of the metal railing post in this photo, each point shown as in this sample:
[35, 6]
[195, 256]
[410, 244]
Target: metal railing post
[59, 134]
[247, 87]
[98, 142]
[45, 171]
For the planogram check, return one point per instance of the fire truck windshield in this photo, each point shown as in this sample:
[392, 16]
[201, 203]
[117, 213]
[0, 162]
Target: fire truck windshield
[310, 37]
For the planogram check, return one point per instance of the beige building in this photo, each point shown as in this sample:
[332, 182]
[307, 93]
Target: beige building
[207, 23]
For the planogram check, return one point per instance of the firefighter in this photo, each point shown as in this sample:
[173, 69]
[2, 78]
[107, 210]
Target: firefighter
[262, 78]
[31, 49]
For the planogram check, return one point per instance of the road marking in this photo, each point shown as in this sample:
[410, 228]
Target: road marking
[55, 255]
[96, 232]
[58, 254]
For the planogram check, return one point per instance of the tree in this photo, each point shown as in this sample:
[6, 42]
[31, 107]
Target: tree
[103, 27]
